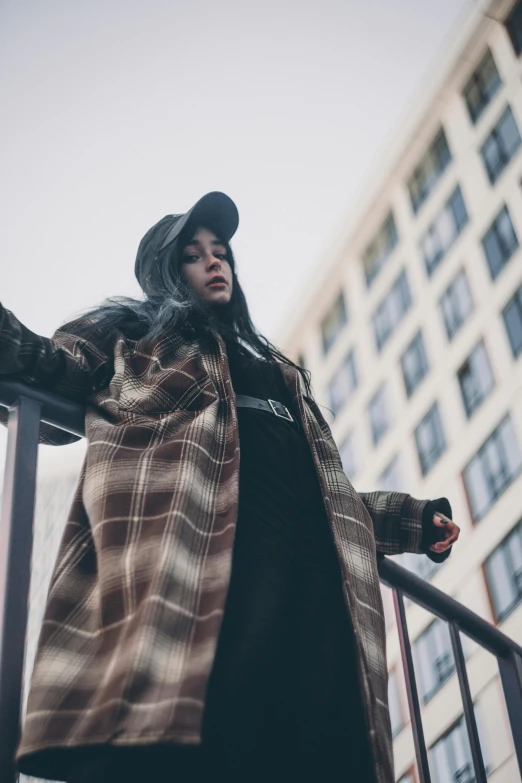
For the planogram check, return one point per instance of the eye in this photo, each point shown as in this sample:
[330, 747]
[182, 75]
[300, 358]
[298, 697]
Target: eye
[189, 258]
[221, 256]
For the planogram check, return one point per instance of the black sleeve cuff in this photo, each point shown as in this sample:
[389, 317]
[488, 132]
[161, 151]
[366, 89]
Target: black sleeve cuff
[430, 532]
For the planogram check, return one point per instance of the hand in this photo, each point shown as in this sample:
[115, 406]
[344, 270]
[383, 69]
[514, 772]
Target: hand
[451, 532]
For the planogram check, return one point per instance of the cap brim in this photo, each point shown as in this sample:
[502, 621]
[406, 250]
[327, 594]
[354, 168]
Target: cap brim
[215, 210]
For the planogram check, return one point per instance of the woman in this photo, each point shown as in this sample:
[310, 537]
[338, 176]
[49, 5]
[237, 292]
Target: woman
[209, 613]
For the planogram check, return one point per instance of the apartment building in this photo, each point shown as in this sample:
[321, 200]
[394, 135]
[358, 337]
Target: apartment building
[414, 340]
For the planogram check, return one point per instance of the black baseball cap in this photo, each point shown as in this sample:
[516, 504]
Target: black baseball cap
[215, 211]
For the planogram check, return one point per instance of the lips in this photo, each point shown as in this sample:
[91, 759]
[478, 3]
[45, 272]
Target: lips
[217, 279]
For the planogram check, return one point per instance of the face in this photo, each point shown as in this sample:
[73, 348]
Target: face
[205, 267]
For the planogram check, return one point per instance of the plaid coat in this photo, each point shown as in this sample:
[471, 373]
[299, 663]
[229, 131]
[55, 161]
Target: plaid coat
[139, 586]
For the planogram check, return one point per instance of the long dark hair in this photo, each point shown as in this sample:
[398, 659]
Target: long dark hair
[170, 304]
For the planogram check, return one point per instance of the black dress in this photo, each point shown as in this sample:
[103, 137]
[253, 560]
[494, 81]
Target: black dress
[284, 686]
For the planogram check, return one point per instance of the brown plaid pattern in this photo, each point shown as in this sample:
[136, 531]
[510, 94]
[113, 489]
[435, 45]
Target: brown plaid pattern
[137, 595]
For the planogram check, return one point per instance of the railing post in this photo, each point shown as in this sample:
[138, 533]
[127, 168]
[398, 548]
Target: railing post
[16, 542]
[511, 675]
[421, 754]
[467, 704]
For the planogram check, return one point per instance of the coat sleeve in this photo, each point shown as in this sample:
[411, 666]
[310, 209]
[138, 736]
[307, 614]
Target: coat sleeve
[65, 363]
[402, 523]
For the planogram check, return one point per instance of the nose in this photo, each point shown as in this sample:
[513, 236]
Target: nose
[213, 262]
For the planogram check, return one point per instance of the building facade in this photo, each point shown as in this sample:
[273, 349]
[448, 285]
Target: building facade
[414, 342]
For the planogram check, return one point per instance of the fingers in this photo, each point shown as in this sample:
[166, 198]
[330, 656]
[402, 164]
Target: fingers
[451, 533]
[440, 546]
[454, 531]
[440, 520]
[454, 535]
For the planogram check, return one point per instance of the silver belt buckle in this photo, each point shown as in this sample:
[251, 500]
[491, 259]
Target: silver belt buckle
[287, 415]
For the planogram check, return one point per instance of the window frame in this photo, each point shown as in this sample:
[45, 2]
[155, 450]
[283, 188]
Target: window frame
[328, 341]
[460, 726]
[423, 363]
[380, 248]
[515, 301]
[515, 34]
[504, 155]
[434, 411]
[489, 480]
[432, 233]
[348, 363]
[400, 292]
[507, 252]
[431, 644]
[500, 616]
[476, 81]
[421, 178]
[452, 298]
[381, 391]
[394, 462]
[469, 410]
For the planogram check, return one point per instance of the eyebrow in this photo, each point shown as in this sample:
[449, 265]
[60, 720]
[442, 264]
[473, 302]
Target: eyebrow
[195, 241]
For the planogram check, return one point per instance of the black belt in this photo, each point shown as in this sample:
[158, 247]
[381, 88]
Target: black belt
[272, 406]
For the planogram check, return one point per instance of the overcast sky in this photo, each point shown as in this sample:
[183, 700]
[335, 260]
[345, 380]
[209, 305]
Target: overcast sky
[117, 113]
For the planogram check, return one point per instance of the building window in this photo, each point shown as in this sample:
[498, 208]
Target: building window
[392, 479]
[493, 468]
[499, 242]
[414, 363]
[482, 86]
[475, 379]
[456, 304]
[512, 314]
[514, 27]
[379, 250]
[379, 413]
[504, 573]
[444, 230]
[500, 146]
[433, 659]
[343, 383]
[430, 440]
[396, 717]
[333, 323]
[348, 454]
[391, 310]
[429, 170]
[450, 756]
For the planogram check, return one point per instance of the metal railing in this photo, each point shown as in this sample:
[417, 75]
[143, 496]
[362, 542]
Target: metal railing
[28, 406]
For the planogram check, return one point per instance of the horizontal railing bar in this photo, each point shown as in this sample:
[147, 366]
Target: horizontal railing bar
[56, 410]
[447, 608]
